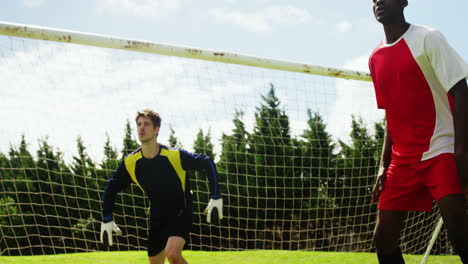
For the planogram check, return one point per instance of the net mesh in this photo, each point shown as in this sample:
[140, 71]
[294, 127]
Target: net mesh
[296, 154]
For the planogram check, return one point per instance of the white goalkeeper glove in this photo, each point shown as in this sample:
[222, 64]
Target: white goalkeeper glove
[109, 227]
[214, 203]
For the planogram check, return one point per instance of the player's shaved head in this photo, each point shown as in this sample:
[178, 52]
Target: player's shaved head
[389, 11]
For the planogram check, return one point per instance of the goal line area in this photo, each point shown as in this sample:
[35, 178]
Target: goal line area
[296, 146]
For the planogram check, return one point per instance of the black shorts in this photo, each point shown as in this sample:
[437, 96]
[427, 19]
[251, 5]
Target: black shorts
[167, 226]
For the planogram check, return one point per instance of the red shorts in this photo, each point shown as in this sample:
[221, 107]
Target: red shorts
[413, 187]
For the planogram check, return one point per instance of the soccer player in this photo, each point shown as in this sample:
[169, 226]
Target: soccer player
[420, 81]
[160, 172]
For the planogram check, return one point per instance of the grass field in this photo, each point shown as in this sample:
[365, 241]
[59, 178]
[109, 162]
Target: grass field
[197, 257]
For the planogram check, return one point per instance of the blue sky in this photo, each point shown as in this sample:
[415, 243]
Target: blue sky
[62, 92]
[317, 32]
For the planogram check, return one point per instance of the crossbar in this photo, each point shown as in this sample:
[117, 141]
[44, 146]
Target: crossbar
[59, 35]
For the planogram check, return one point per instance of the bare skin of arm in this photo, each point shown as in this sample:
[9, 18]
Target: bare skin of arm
[459, 92]
[385, 160]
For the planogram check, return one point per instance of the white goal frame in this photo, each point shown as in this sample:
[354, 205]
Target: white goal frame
[75, 37]
[58, 35]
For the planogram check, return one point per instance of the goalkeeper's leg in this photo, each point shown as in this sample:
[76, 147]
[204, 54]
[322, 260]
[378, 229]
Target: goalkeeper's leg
[173, 252]
[174, 248]
[452, 208]
[158, 259]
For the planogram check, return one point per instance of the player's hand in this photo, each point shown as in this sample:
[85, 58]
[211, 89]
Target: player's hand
[214, 203]
[379, 185]
[109, 227]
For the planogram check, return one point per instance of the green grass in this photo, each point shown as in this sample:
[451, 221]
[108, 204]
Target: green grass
[229, 257]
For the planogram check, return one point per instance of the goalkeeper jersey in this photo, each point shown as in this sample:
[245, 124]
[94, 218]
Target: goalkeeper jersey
[163, 178]
[412, 77]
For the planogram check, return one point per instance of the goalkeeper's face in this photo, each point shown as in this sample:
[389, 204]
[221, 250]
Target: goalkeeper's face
[146, 130]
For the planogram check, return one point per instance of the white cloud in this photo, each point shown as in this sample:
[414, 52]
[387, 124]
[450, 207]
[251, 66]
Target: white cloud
[354, 98]
[360, 63]
[265, 19]
[138, 8]
[252, 22]
[32, 3]
[64, 91]
[343, 26]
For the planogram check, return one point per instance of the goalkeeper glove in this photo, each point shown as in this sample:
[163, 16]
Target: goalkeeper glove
[109, 227]
[214, 203]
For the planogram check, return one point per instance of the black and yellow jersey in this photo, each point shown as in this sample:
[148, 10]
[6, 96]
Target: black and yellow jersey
[163, 178]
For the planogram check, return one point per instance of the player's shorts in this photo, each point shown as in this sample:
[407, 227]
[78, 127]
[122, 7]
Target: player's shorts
[162, 228]
[413, 187]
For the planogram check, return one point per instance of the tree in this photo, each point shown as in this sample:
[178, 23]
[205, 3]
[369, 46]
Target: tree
[203, 144]
[9, 221]
[23, 172]
[110, 154]
[18, 177]
[53, 179]
[314, 163]
[200, 186]
[272, 148]
[22, 164]
[82, 164]
[129, 143]
[85, 182]
[173, 140]
[236, 163]
[359, 165]
[108, 165]
[357, 170]
[236, 168]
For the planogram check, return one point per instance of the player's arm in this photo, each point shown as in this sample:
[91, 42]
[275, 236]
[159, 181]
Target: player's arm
[385, 160]
[119, 180]
[451, 70]
[459, 92]
[202, 162]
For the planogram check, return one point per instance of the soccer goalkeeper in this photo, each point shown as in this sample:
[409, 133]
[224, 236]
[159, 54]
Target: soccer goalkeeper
[160, 172]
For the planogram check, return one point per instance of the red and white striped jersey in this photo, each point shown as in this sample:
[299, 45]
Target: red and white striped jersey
[412, 77]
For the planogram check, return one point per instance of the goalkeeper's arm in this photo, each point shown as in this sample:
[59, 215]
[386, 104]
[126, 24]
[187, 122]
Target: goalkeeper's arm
[119, 180]
[216, 200]
[203, 162]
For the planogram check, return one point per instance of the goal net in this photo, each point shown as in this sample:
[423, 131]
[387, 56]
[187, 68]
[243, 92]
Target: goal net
[296, 147]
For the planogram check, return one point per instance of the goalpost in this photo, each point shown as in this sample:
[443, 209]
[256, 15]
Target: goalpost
[296, 146]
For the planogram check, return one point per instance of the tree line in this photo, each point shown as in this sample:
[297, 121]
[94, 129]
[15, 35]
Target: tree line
[306, 192]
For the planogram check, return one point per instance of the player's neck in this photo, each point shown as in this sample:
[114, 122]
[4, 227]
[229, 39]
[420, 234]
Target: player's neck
[393, 32]
[150, 149]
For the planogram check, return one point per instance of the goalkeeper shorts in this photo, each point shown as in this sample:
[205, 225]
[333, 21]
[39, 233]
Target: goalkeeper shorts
[413, 187]
[161, 229]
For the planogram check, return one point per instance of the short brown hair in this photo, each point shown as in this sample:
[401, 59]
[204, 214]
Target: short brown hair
[155, 118]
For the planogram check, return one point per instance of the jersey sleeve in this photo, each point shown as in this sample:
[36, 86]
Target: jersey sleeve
[448, 66]
[119, 180]
[202, 162]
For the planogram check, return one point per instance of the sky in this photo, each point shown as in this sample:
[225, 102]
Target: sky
[338, 34]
